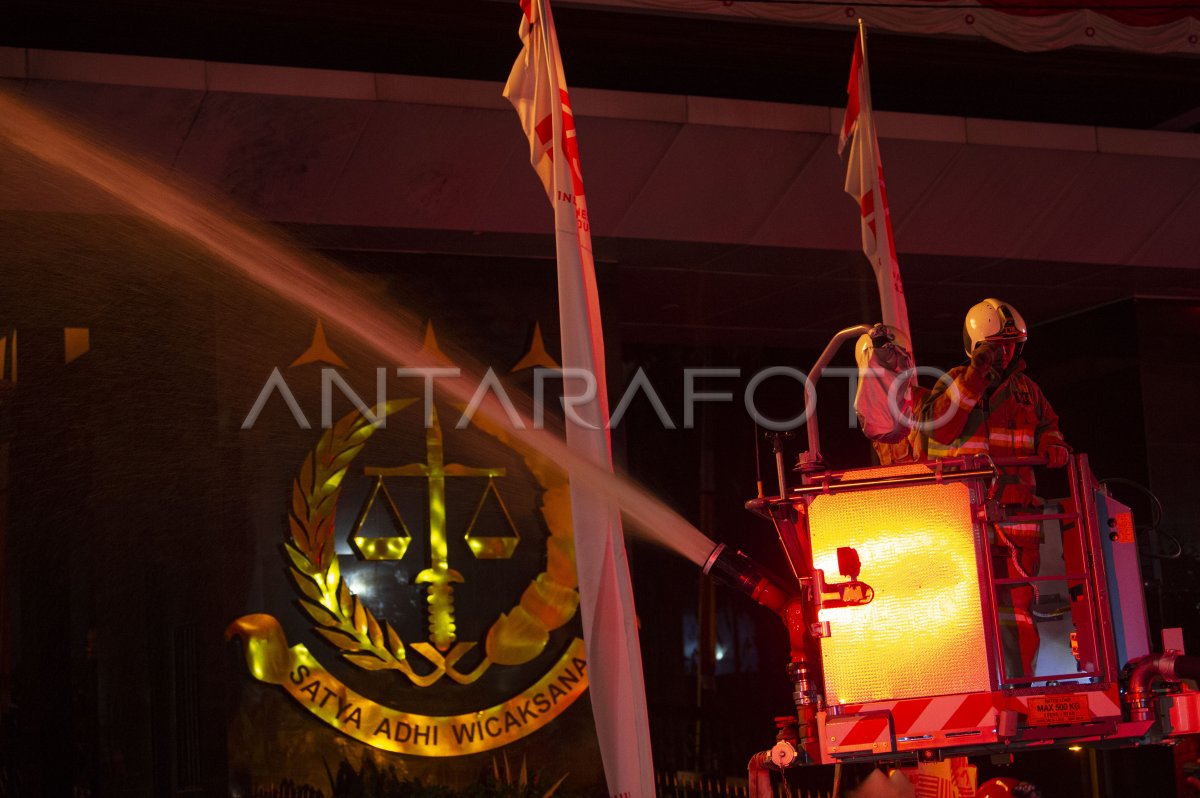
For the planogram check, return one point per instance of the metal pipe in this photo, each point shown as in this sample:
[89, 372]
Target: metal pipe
[780, 470]
[736, 570]
[1101, 606]
[964, 461]
[761, 506]
[804, 671]
[950, 465]
[1145, 671]
[899, 479]
[1020, 518]
[810, 389]
[987, 569]
[1019, 461]
[1024, 580]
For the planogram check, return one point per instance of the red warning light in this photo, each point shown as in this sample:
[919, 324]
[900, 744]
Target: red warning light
[1124, 528]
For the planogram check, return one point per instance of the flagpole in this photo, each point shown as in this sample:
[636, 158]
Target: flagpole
[862, 40]
[866, 68]
[538, 90]
[551, 68]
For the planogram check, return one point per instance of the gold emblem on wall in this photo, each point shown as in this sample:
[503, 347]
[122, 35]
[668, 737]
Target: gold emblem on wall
[516, 637]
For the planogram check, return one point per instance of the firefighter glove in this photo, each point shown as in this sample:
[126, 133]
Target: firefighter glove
[984, 357]
[1055, 452]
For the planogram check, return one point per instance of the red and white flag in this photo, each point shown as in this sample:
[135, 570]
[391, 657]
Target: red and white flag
[864, 182]
[537, 88]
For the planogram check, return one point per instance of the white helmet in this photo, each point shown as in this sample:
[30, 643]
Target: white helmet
[993, 320]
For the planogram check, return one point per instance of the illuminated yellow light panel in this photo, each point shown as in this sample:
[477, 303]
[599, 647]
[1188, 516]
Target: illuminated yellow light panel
[923, 634]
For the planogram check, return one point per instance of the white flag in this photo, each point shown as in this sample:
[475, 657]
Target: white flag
[537, 88]
[864, 182]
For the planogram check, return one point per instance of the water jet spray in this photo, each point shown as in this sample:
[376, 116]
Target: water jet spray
[262, 256]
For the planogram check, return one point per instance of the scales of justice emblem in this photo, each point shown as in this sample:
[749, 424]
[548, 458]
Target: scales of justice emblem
[516, 637]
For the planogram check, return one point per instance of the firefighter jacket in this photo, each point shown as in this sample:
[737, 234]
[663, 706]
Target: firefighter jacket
[1006, 415]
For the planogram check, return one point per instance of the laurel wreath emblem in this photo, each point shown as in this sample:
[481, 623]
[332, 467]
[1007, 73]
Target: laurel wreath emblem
[516, 637]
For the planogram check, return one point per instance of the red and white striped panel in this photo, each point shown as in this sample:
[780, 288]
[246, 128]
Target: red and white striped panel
[936, 722]
[864, 727]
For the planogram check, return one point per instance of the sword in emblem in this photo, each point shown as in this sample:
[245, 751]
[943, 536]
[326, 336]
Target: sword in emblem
[439, 576]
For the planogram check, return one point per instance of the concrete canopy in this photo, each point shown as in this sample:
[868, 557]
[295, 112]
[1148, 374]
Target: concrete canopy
[723, 219]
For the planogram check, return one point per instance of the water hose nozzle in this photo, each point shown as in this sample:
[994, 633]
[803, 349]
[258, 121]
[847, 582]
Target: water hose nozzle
[736, 570]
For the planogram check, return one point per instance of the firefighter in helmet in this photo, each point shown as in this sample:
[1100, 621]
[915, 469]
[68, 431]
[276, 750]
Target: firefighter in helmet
[989, 406]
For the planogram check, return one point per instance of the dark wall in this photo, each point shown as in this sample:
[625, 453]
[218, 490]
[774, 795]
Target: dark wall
[49, 549]
[1124, 378]
[123, 566]
[1170, 382]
